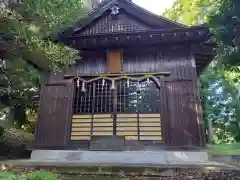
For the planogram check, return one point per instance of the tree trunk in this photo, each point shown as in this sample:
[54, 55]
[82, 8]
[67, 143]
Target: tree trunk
[210, 131]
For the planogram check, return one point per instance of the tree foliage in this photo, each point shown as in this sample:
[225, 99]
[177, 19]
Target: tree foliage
[220, 82]
[26, 30]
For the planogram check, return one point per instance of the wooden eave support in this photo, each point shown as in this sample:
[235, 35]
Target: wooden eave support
[158, 36]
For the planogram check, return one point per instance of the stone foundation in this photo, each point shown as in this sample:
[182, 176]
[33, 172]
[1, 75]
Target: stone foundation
[122, 157]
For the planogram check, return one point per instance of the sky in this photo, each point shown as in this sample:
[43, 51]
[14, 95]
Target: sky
[155, 6]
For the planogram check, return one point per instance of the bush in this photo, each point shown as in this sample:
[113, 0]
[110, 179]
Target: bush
[16, 137]
[38, 176]
[14, 144]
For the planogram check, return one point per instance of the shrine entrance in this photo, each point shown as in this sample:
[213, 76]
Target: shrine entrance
[123, 107]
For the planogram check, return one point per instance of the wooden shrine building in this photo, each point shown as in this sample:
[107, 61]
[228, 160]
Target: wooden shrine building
[134, 87]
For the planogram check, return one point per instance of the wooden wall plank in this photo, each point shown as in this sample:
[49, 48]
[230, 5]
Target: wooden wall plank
[149, 120]
[114, 61]
[131, 138]
[82, 116]
[75, 138]
[126, 115]
[151, 138]
[149, 115]
[126, 119]
[184, 124]
[55, 111]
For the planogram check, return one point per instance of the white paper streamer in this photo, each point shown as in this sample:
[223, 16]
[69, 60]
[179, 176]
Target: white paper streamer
[128, 83]
[83, 87]
[113, 84]
[103, 82]
[78, 82]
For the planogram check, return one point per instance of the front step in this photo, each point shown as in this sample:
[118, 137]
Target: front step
[120, 157]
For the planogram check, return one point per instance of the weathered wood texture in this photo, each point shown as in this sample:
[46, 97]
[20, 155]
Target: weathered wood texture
[179, 62]
[133, 126]
[114, 61]
[91, 62]
[123, 22]
[180, 102]
[184, 126]
[55, 113]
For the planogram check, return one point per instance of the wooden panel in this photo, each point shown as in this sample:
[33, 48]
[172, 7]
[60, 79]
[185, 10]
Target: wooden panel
[114, 61]
[55, 113]
[127, 115]
[106, 24]
[126, 119]
[150, 128]
[81, 133]
[92, 62]
[102, 128]
[82, 116]
[81, 129]
[102, 115]
[102, 124]
[127, 133]
[103, 120]
[75, 138]
[126, 124]
[149, 124]
[149, 115]
[131, 137]
[149, 119]
[183, 117]
[127, 128]
[151, 138]
[156, 59]
[81, 124]
[102, 133]
[81, 120]
[150, 133]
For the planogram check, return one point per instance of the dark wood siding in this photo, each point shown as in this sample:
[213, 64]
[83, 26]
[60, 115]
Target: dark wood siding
[184, 125]
[181, 112]
[91, 62]
[179, 62]
[108, 23]
[55, 113]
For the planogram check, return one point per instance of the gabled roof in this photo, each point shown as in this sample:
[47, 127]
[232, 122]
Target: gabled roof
[142, 14]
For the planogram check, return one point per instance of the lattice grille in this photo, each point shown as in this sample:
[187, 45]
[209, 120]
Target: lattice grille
[131, 97]
[132, 110]
[96, 99]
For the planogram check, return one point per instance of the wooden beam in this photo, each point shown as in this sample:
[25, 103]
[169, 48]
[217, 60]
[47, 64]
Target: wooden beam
[117, 74]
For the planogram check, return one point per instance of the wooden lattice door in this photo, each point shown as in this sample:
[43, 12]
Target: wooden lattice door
[131, 109]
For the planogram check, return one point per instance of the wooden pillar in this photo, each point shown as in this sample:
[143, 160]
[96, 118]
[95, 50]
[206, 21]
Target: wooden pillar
[114, 65]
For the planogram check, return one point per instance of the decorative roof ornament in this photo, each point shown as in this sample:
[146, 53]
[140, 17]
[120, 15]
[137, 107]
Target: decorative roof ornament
[115, 10]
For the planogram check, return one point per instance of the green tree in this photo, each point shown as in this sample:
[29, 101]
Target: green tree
[220, 81]
[26, 49]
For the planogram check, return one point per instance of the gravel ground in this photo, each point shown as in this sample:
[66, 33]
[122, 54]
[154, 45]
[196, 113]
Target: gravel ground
[223, 175]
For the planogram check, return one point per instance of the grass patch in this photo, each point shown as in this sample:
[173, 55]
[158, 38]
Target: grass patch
[29, 176]
[225, 149]
[7, 176]
[38, 176]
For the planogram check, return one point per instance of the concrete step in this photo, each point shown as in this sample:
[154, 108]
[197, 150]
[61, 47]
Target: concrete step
[121, 157]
